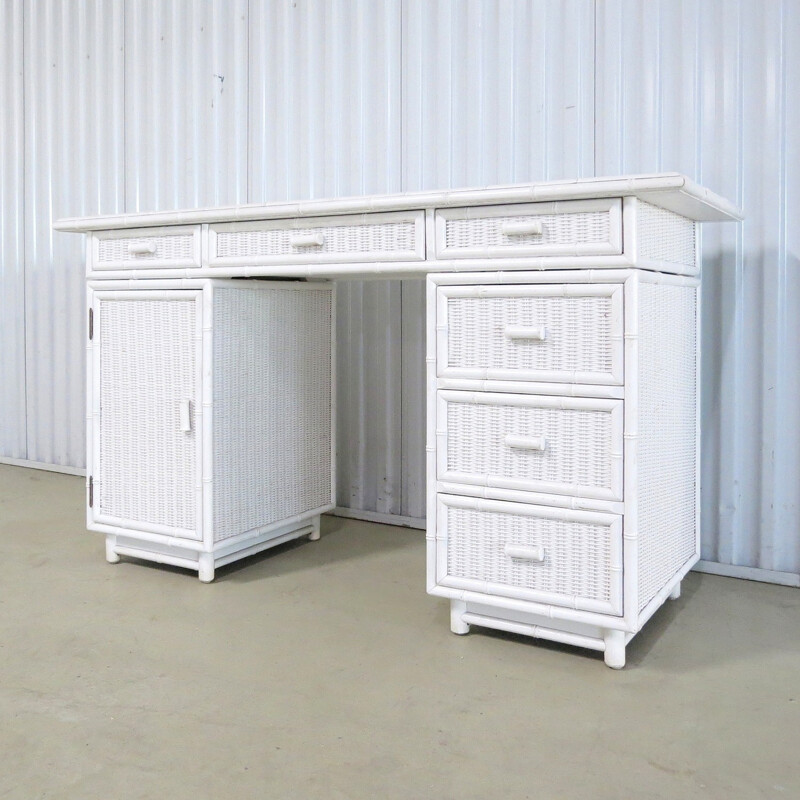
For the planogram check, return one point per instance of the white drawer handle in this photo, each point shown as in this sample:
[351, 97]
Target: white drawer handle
[525, 442]
[142, 248]
[526, 553]
[526, 227]
[185, 413]
[307, 239]
[539, 334]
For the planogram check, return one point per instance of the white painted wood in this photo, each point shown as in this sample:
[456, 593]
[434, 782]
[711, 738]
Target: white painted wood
[660, 537]
[181, 455]
[395, 236]
[513, 357]
[530, 494]
[480, 437]
[667, 190]
[164, 247]
[548, 229]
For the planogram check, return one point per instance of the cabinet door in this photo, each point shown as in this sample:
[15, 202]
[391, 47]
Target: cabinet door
[146, 363]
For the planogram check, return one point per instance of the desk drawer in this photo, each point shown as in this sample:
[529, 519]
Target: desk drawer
[527, 552]
[565, 333]
[355, 238]
[559, 445]
[146, 248]
[570, 228]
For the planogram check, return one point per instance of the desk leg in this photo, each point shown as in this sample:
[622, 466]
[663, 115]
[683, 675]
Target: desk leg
[457, 625]
[206, 567]
[111, 552]
[614, 655]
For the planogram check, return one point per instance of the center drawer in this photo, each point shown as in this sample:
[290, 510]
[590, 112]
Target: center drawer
[559, 445]
[564, 333]
[391, 236]
[526, 552]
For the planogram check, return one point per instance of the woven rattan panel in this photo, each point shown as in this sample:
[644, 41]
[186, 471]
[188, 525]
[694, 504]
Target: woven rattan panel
[578, 333]
[272, 406]
[665, 236]
[586, 227]
[667, 434]
[578, 444]
[577, 555]
[177, 247]
[148, 359]
[384, 237]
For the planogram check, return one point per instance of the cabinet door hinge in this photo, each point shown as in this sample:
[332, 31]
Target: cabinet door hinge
[91, 491]
[91, 324]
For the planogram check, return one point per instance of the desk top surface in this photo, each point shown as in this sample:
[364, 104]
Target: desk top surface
[670, 190]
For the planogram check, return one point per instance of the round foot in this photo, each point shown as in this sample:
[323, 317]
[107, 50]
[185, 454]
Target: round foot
[111, 553]
[457, 624]
[675, 593]
[314, 535]
[614, 655]
[206, 568]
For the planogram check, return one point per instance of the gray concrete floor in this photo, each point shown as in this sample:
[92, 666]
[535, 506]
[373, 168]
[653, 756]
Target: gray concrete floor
[323, 670]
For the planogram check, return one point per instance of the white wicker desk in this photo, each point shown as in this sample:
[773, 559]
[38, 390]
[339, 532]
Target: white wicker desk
[562, 365]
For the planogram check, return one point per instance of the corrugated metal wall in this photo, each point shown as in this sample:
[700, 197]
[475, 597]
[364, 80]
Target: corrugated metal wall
[185, 103]
[73, 165]
[710, 88]
[12, 236]
[143, 105]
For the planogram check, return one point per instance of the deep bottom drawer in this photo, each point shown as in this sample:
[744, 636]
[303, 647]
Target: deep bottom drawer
[546, 555]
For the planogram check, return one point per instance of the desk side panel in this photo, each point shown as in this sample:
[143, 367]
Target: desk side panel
[272, 401]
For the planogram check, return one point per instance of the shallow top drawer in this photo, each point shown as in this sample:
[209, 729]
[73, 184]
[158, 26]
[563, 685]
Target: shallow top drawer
[363, 237]
[570, 228]
[146, 248]
[569, 333]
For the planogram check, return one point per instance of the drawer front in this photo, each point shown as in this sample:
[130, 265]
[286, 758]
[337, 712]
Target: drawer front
[147, 248]
[356, 238]
[528, 552]
[571, 228]
[557, 333]
[562, 445]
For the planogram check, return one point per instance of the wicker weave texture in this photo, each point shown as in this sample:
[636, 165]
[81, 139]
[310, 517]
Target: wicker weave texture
[579, 333]
[667, 434]
[385, 237]
[588, 227]
[172, 247]
[577, 560]
[665, 236]
[148, 366]
[272, 406]
[578, 444]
